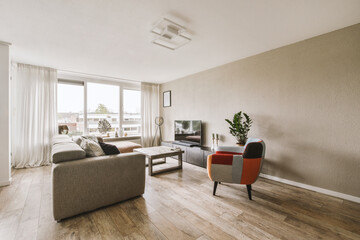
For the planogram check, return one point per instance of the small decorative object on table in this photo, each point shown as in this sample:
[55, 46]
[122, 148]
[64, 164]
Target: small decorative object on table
[239, 128]
[217, 140]
[213, 142]
[116, 132]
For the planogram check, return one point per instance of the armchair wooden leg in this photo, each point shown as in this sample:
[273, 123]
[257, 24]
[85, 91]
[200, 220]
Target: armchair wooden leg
[249, 190]
[215, 186]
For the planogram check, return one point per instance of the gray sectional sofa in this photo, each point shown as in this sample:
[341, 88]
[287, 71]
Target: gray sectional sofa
[81, 184]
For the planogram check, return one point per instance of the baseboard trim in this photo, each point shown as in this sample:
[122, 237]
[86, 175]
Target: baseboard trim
[313, 188]
[5, 183]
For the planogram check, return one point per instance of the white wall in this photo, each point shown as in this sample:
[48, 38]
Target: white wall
[5, 175]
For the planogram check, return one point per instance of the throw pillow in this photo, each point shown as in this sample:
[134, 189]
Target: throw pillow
[91, 148]
[91, 137]
[109, 149]
[78, 139]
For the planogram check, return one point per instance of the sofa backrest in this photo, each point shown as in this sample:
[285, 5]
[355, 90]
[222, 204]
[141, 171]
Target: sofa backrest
[64, 149]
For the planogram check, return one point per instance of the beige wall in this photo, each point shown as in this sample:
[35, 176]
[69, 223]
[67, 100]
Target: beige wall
[305, 102]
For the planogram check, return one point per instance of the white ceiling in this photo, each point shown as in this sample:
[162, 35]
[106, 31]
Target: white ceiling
[112, 37]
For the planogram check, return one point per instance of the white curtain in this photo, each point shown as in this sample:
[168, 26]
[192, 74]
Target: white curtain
[33, 101]
[149, 111]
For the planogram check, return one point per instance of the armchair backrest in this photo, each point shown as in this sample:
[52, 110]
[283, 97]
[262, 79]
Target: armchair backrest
[253, 157]
[254, 149]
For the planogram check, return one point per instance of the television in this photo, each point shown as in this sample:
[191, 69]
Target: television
[188, 131]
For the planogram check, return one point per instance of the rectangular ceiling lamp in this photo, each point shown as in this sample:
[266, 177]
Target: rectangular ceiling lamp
[169, 34]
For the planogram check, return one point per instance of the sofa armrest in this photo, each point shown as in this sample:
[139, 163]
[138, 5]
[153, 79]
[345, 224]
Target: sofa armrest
[87, 184]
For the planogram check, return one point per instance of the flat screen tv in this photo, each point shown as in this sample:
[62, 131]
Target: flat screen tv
[188, 131]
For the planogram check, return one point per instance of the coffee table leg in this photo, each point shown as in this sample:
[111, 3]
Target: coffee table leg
[150, 169]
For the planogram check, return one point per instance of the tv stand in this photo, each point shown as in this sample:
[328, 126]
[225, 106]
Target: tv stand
[193, 153]
[186, 144]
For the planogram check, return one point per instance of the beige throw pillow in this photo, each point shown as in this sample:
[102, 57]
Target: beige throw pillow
[78, 139]
[92, 148]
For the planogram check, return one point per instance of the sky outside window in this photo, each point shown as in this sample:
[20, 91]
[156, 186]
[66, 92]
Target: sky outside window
[132, 101]
[108, 95]
[70, 98]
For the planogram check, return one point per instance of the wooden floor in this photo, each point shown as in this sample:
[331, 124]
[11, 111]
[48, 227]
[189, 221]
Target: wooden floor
[180, 205]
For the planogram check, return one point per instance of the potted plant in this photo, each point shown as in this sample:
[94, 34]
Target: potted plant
[240, 127]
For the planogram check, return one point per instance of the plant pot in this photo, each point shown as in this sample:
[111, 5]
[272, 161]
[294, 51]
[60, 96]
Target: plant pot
[240, 144]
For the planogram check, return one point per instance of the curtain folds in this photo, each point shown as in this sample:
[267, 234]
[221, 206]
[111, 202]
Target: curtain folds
[149, 111]
[33, 107]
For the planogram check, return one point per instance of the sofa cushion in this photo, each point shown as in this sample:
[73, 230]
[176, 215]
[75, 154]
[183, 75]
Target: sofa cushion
[91, 148]
[68, 151]
[61, 139]
[109, 149]
[126, 146]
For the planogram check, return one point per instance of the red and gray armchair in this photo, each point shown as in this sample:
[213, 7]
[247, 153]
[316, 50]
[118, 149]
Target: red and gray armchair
[241, 165]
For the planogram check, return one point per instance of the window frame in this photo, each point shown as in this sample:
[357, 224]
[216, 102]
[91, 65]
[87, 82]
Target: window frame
[65, 78]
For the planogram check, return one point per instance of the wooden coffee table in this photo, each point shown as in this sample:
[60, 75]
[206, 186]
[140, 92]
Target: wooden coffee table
[152, 153]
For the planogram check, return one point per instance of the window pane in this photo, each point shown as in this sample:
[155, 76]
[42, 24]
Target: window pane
[71, 108]
[102, 104]
[132, 115]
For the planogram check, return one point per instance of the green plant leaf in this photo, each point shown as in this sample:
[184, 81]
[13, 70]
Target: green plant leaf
[240, 126]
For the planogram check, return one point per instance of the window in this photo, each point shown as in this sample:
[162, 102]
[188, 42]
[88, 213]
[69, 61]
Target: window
[102, 104]
[132, 116]
[111, 103]
[71, 107]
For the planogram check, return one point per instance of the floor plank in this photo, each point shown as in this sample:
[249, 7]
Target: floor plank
[180, 205]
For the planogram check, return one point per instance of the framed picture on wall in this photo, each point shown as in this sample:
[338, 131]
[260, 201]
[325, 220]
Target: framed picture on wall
[167, 99]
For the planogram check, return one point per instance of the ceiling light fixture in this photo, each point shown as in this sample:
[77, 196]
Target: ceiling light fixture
[169, 34]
